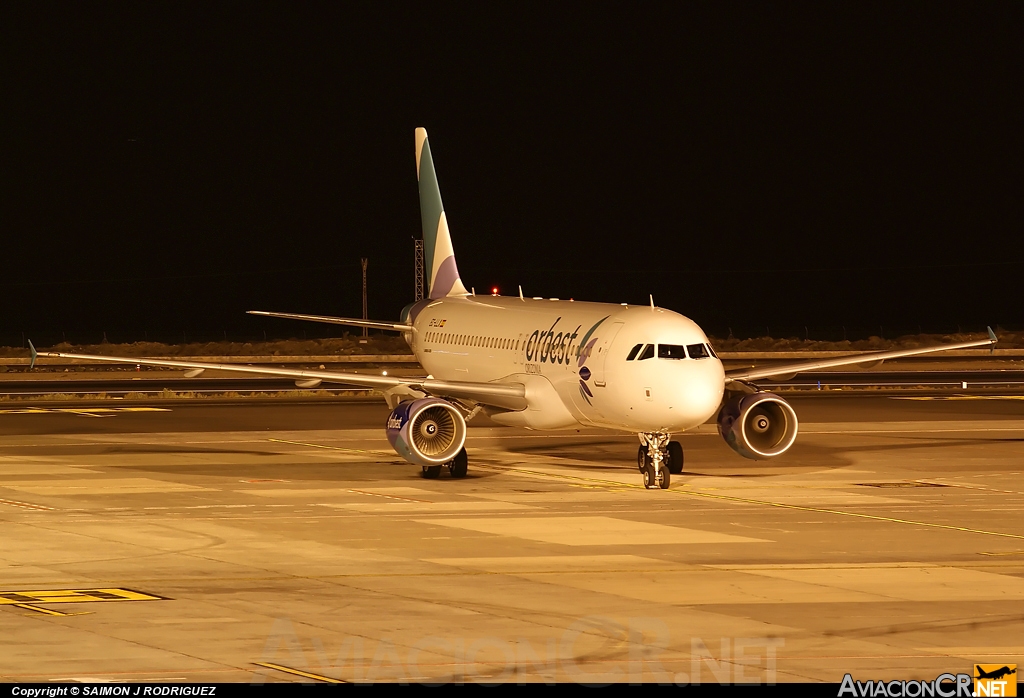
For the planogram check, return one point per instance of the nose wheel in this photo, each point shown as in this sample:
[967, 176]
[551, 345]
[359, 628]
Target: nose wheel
[656, 480]
[658, 459]
[675, 457]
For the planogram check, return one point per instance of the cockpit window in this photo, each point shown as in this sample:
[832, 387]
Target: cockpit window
[633, 352]
[647, 353]
[697, 351]
[712, 351]
[671, 351]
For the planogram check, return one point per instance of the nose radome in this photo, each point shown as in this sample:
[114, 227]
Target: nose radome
[702, 392]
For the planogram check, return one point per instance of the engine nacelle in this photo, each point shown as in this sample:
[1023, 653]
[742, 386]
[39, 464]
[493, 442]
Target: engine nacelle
[430, 431]
[758, 426]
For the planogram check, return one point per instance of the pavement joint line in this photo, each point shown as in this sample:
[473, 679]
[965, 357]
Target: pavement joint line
[298, 672]
[759, 502]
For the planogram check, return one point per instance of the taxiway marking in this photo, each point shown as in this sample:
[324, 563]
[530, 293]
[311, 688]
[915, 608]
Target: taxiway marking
[48, 611]
[18, 598]
[84, 411]
[723, 497]
[960, 397]
[25, 505]
[759, 502]
[298, 672]
[329, 448]
[389, 496]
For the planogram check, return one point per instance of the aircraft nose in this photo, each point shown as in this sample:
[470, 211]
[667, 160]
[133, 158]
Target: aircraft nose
[700, 393]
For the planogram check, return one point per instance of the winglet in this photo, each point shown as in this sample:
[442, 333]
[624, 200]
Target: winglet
[35, 355]
[992, 336]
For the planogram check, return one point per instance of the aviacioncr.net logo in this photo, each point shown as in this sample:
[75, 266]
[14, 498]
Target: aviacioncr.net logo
[943, 686]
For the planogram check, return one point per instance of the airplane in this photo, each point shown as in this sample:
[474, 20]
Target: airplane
[997, 674]
[550, 364]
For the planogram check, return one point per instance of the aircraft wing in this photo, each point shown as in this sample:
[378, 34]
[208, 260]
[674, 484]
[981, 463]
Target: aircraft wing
[755, 373]
[510, 396]
[353, 322]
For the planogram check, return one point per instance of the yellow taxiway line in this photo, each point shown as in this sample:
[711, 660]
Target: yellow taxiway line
[298, 672]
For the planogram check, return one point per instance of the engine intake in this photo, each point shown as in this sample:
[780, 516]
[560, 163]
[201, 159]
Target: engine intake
[430, 431]
[758, 426]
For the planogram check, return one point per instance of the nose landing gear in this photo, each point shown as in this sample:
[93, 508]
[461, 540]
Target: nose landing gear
[658, 459]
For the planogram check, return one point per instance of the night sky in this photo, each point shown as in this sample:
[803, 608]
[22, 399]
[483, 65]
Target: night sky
[165, 167]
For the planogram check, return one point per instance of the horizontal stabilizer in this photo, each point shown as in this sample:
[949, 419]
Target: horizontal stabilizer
[353, 322]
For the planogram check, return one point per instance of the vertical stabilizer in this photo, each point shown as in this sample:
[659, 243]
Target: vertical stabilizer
[442, 272]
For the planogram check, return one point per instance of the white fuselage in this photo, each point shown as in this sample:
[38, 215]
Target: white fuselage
[572, 358]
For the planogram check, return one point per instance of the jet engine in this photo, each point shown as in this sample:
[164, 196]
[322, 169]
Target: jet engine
[427, 432]
[758, 426]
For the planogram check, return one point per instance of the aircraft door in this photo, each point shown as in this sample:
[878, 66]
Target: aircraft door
[601, 354]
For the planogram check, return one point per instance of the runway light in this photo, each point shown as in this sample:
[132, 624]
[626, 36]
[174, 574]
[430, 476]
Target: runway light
[383, 373]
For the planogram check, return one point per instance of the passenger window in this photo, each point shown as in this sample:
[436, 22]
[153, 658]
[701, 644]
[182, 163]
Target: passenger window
[633, 352]
[671, 351]
[697, 351]
[647, 353]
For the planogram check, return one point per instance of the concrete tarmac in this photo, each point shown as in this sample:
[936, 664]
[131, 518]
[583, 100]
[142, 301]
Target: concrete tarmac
[264, 541]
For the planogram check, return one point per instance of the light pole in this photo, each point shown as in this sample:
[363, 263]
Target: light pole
[419, 275]
[364, 260]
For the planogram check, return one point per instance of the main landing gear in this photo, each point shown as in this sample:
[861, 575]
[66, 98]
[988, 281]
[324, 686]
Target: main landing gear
[658, 459]
[457, 466]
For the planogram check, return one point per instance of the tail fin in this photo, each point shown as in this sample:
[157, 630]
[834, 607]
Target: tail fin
[437, 242]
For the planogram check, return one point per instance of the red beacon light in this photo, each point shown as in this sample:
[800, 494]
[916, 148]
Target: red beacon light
[494, 291]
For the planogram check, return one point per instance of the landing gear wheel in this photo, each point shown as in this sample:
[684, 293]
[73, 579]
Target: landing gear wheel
[675, 458]
[431, 472]
[459, 465]
[650, 479]
[665, 478]
[642, 458]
